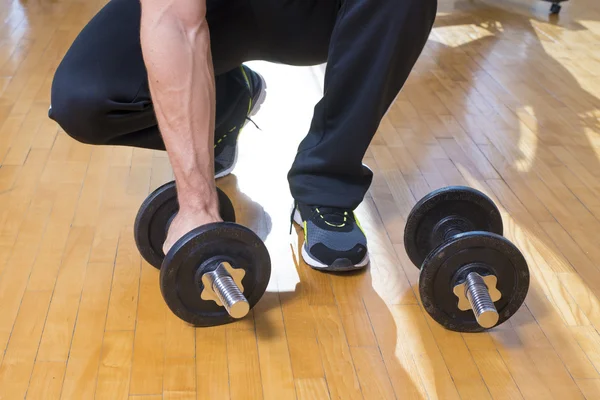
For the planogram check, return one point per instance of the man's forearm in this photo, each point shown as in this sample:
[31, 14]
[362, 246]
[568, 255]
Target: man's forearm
[176, 47]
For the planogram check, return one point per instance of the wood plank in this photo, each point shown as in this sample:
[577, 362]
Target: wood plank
[312, 388]
[115, 365]
[244, 366]
[212, 369]
[274, 355]
[337, 360]
[18, 362]
[122, 309]
[147, 369]
[86, 347]
[46, 380]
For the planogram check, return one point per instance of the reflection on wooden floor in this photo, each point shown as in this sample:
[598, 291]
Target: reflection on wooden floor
[503, 99]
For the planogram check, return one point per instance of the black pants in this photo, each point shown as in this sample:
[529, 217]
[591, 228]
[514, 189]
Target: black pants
[100, 92]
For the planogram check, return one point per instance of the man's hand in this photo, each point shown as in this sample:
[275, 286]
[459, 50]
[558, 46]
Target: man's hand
[176, 48]
[183, 223]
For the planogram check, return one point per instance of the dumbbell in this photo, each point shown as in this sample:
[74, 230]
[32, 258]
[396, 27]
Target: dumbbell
[215, 273]
[471, 277]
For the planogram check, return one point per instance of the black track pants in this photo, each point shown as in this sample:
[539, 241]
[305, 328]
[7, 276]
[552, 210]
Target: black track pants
[100, 92]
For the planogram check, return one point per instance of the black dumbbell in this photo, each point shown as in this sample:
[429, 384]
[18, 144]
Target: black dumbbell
[215, 273]
[472, 278]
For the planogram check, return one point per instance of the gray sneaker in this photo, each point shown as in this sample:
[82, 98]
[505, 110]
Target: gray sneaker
[333, 238]
[226, 149]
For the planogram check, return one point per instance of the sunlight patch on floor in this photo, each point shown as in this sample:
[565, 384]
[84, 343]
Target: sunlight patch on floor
[451, 37]
[593, 26]
[527, 143]
[283, 121]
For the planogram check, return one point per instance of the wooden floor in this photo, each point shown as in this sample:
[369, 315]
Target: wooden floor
[503, 99]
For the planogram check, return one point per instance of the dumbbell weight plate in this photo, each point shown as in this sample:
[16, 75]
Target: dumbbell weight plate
[199, 252]
[471, 210]
[154, 216]
[482, 252]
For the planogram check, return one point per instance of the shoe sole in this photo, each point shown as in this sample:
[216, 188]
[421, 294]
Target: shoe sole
[339, 265]
[256, 105]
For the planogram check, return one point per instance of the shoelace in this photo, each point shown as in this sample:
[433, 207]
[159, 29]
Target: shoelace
[335, 217]
[254, 123]
[232, 129]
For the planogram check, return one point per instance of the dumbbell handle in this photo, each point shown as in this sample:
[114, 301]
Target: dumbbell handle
[452, 232]
[449, 227]
[478, 295]
[228, 292]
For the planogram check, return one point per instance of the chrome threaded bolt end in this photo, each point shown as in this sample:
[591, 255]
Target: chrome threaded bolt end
[479, 293]
[231, 297]
[482, 305]
[223, 289]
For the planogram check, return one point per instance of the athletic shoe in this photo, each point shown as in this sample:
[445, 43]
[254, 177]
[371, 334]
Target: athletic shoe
[333, 238]
[226, 137]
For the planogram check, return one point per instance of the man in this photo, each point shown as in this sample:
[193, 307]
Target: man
[169, 75]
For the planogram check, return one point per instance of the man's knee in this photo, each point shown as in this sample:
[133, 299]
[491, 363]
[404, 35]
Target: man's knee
[76, 105]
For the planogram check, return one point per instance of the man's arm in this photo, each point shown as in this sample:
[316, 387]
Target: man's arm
[176, 48]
